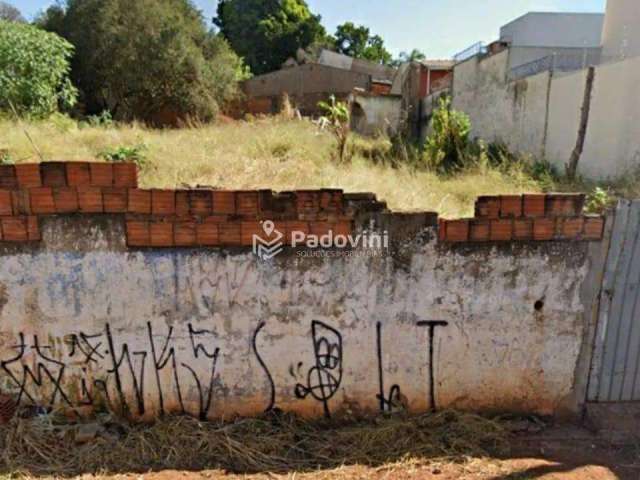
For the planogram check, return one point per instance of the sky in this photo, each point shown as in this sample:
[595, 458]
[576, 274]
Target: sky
[439, 28]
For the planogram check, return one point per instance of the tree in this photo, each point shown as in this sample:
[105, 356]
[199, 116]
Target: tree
[152, 60]
[414, 55]
[357, 41]
[10, 13]
[267, 32]
[34, 69]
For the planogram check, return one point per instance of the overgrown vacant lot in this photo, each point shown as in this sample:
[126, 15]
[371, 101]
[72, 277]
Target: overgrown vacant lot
[268, 153]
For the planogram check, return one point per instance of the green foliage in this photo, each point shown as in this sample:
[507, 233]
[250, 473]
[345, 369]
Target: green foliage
[338, 117]
[267, 33]
[34, 70]
[447, 147]
[6, 158]
[357, 41]
[104, 120]
[598, 201]
[414, 55]
[123, 153]
[152, 60]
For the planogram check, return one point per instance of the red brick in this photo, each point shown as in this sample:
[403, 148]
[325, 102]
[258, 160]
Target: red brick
[115, 200]
[78, 174]
[331, 200]
[571, 228]
[320, 228]
[307, 201]
[101, 174]
[200, 203]
[161, 234]
[247, 204]
[54, 174]
[33, 229]
[184, 234]
[511, 206]
[163, 202]
[544, 229]
[343, 227]
[90, 200]
[564, 205]
[207, 234]
[65, 199]
[138, 233]
[14, 229]
[523, 229]
[21, 202]
[442, 230]
[139, 201]
[533, 205]
[230, 233]
[125, 175]
[28, 175]
[6, 204]
[41, 199]
[249, 229]
[224, 202]
[8, 177]
[487, 207]
[182, 203]
[457, 230]
[295, 226]
[216, 219]
[501, 230]
[480, 230]
[593, 228]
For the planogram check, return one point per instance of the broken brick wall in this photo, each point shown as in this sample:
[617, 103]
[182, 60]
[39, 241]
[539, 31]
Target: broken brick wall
[151, 301]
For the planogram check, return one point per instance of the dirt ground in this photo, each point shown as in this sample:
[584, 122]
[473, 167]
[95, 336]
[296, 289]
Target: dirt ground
[563, 452]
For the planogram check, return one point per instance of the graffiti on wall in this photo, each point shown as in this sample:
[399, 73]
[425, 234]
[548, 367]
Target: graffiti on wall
[86, 369]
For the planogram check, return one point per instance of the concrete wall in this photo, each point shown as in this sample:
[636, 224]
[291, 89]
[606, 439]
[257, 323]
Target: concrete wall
[581, 57]
[87, 323]
[612, 147]
[620, 37]
[509, 112]
[540, 114]
[551, 29]
[376, 114]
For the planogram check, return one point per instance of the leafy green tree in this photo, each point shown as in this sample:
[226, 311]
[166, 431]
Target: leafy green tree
[267, 32]
[34, 70]
[447, 147]
[10, 13]
[152, 60]
[414, 55]
[357, 41]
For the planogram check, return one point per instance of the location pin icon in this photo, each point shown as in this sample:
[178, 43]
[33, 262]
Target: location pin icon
[268, 227]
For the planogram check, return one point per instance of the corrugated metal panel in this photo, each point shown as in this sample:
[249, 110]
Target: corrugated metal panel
[616, 365]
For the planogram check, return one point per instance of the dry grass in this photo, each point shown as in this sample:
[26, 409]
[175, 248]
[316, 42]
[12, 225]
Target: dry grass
[277, 444]
[269, 153]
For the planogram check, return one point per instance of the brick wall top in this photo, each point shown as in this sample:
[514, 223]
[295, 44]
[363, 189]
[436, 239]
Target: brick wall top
[210, 218]
[530, 217]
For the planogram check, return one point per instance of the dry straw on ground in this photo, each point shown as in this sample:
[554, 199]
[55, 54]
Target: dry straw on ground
[278, 443]
[268, 153]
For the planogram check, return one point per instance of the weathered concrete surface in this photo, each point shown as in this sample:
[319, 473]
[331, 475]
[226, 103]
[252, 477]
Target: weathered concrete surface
[220, 333]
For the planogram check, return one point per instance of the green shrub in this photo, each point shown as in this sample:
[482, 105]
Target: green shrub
[447, 147]
[338, 117]
[34, 70]
[123, 153]
[598, 201]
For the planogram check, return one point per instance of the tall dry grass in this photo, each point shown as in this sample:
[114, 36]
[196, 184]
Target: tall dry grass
[268, 153]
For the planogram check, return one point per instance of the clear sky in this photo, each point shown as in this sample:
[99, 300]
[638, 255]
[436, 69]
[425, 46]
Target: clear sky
[440, 28]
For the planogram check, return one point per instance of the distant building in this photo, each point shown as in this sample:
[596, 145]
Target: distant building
[538, 35]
